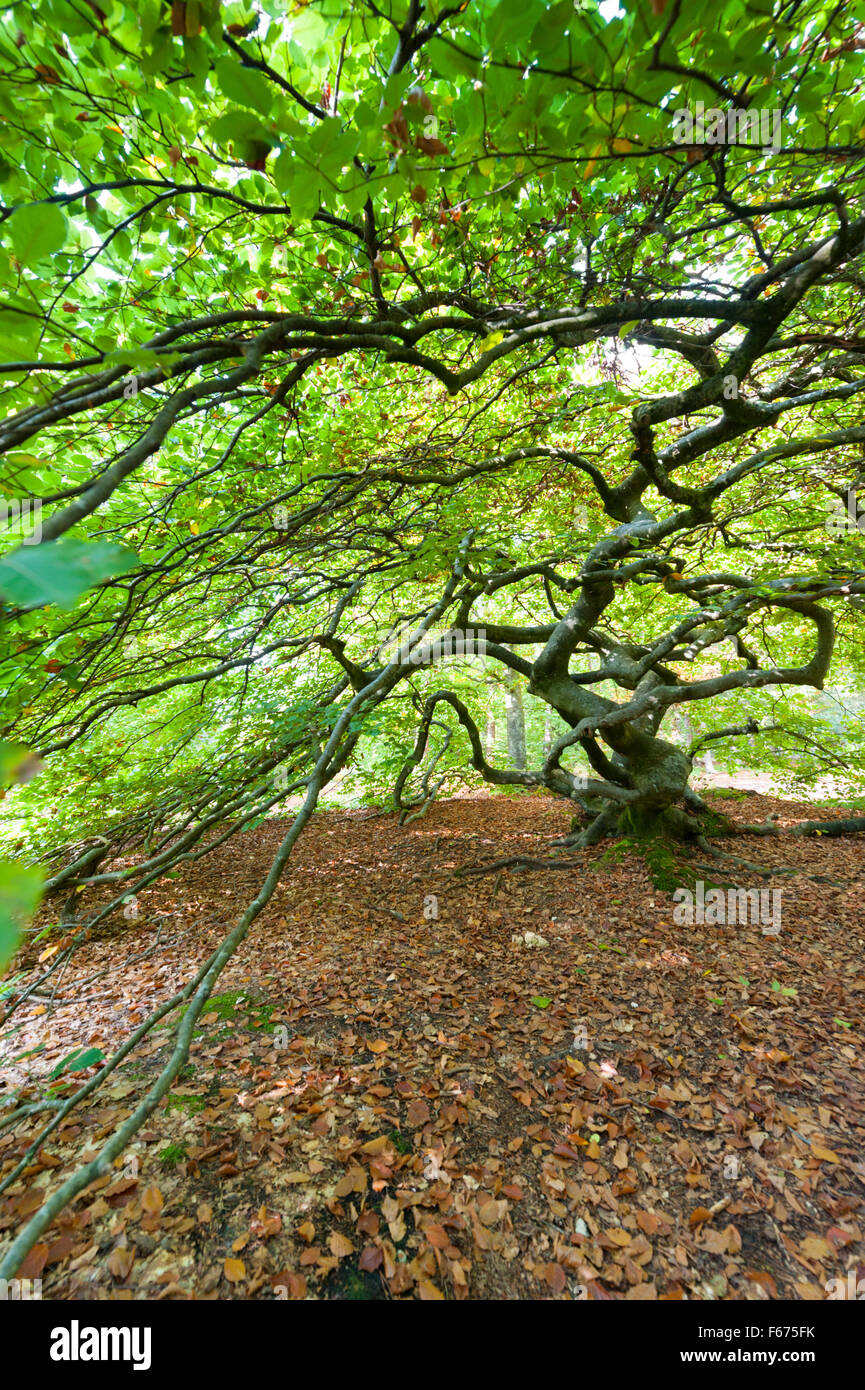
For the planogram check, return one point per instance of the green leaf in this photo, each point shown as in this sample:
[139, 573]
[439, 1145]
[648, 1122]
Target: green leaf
[79, 1060]
[59, 571]
[490, 341]
[19, 893]
[19, 335]
[243, 85]
[36, 231]
[540, 1001]
[143, 358]
[240, 128]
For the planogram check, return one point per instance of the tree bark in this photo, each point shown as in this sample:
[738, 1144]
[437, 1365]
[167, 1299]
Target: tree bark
[516, 724]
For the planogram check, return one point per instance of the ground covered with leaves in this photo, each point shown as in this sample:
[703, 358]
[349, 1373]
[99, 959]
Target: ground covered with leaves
[386, 1103]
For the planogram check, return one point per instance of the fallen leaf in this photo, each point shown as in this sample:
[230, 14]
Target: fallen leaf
[151, 1200]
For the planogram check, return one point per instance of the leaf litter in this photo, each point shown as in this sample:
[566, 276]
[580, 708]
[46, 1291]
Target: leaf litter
[395, 1096]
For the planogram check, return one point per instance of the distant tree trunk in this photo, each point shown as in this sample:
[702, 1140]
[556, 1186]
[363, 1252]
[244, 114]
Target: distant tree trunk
[490, 737]
[516, 721]
[548, 735]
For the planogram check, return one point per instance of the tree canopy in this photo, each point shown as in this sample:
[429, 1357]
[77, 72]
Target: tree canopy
[334, 333]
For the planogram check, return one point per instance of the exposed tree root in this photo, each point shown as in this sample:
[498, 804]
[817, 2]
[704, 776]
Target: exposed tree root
[521, 861]
[852, 825]
[760, 869]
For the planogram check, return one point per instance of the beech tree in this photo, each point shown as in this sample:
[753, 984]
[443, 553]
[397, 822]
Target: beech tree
[337, 331]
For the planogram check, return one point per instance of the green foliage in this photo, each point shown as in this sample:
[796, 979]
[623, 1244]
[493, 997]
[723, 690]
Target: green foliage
[20, 890]
[59, 572]
[287, 262]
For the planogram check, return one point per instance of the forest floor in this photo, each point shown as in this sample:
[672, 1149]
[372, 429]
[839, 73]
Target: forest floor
[385, 1104]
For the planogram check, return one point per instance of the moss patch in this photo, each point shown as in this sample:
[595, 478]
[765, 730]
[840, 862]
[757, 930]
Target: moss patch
[399, 1141]
[234, 1007]
[352, 1285]
[190, 1104]
[173, 1154]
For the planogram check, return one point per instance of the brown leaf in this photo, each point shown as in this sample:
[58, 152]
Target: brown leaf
[375, 1146]
[715, 1242]
[492, 1212]
[437, 1235]
[429, 145]
[120, 1262]
[555, 1277]
[59, 1249]
[699, 1215]
[618, 1236]
[428, 1292]
[234, 1271]
[565, 1151]
[734, 1240]
[825, 1155]
[764, 1280]
[418, 1113]
[293, 1284]
[648, 1222]
[151, 1200]
[839, 1237]
[34, 1262]
[815, 1248]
